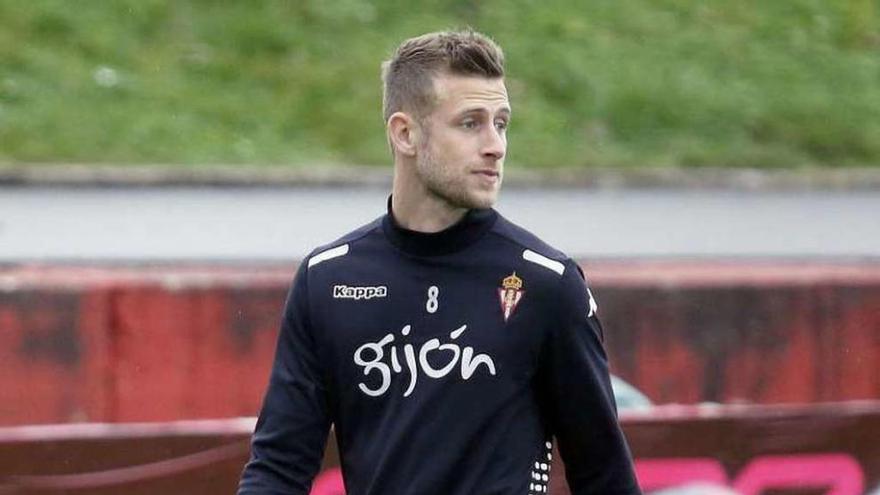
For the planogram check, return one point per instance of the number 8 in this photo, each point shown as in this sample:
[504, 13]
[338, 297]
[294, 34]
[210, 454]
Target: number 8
[432, 304]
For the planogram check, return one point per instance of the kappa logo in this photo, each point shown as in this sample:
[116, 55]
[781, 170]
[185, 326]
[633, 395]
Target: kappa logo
[358, 293]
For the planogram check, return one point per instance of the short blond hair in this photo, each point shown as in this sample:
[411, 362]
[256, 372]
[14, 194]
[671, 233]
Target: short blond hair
[408, 76]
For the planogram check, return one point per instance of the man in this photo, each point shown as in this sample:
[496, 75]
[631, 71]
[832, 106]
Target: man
[447, 346]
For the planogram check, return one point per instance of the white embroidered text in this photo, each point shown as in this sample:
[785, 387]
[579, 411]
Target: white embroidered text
[371, 356]
[356, 293]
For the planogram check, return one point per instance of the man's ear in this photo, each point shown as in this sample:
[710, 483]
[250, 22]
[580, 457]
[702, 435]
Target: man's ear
[404, 133]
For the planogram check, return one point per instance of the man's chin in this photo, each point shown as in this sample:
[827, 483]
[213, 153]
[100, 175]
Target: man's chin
[483, 200]
[462, 197]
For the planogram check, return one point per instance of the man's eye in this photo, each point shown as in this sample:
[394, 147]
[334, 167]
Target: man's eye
[501, 124]
[469, 124]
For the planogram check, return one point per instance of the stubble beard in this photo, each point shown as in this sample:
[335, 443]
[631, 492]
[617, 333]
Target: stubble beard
[441, 183]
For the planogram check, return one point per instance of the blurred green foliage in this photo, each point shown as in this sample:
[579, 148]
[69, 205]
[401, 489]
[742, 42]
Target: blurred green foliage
[768, 83]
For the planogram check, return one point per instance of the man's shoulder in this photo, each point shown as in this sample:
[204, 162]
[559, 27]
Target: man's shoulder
[561, 274]
[525, 239]
[342, 245]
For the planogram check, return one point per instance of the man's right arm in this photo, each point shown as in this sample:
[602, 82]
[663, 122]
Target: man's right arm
[291, 432]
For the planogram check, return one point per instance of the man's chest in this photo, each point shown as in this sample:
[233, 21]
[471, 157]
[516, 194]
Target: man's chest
[392, 331]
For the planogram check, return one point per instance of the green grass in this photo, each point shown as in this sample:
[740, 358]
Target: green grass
[772, 83]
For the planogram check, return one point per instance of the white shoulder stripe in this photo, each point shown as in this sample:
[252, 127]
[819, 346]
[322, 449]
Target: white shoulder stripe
[544, 261]
[328, 255]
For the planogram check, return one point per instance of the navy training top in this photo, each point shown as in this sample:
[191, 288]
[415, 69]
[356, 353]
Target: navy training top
[447, 363]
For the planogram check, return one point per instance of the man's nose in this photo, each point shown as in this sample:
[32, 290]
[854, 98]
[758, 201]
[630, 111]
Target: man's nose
[494, 144]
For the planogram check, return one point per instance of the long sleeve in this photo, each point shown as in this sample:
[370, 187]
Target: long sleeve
[577, 398]
[291, 432]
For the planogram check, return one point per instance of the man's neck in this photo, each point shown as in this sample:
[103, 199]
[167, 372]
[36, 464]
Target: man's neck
[418, 210]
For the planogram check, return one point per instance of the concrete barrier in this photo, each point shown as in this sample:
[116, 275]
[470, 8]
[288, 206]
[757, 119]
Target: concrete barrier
[122, 344]
[833, 449]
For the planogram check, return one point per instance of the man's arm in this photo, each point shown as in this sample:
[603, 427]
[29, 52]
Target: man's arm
[577, 396]
[291, 432]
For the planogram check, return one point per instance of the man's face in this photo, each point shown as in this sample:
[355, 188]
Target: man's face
[461, 157]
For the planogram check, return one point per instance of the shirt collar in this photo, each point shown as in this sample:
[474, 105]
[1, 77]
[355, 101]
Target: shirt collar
[456, 237]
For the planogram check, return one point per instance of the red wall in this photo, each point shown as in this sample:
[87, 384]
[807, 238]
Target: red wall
[156, 344]
[745, 333]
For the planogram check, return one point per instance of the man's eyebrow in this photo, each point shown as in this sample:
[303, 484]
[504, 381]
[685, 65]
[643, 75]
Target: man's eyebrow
[469, 110]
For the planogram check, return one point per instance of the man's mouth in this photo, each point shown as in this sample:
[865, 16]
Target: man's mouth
[487, 173]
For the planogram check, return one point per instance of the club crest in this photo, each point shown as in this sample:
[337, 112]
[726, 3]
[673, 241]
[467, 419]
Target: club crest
[510, 294]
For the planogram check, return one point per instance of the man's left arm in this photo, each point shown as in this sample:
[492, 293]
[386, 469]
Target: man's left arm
[577, 397]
